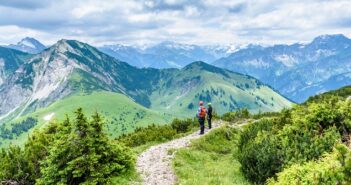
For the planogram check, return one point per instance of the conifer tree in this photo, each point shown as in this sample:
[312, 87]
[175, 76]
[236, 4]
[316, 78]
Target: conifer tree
[85, 155]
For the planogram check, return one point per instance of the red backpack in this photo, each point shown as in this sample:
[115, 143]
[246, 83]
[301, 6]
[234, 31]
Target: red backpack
[202, 114]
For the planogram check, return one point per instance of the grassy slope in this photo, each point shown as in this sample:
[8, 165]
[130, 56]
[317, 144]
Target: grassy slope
[175, 98]
[210, 160]
[121, 114]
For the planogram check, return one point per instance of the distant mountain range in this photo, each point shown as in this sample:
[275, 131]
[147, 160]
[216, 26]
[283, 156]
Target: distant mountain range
[166, 54]
[298, 70]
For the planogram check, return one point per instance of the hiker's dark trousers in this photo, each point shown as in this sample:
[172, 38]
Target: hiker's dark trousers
[202, 125]
[209, 120]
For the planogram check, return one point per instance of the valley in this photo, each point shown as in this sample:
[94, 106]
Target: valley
[46, 84]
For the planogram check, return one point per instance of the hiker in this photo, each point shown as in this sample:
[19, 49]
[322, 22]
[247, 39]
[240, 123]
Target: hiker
[209, 115]
[201, 115]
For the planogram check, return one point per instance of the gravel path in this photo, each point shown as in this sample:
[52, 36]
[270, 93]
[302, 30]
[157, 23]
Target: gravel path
[155, 164]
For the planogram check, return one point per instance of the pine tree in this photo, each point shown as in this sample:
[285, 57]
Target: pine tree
[84, 155]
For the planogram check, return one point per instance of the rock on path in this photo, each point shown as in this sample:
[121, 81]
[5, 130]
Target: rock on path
[155, 164]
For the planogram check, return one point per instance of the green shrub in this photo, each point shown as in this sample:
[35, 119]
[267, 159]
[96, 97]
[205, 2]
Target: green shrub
[258, 151]
[265, 115]
[182, 126]
[15, 167]
[300, 145]
[157, 133]
[152, 133]
[333, 168]
[234, 116]
[305, 133]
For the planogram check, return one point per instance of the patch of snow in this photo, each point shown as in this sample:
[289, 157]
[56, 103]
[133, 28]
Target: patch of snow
[179, 46]
[257, 63]
[323, 53]
[48, 117]
[234, 48]
[174, 64]
[287, 60]
[27, 43]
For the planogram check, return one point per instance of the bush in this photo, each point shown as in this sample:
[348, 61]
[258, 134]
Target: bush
[333, 168]
[15, 167]
[234, 116]
[182, 126]
[303, 134]
[258, 151]
[265, 115]
[157, 133]
[152, 133]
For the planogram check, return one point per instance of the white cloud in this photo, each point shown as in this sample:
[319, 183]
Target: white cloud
[190, 21]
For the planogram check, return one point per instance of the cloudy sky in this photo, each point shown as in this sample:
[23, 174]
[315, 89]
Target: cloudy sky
[150, 21]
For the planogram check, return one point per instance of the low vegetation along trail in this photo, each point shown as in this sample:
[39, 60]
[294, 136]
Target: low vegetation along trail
[155, 164]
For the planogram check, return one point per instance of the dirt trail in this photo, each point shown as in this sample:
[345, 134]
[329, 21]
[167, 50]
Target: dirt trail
[155, 164]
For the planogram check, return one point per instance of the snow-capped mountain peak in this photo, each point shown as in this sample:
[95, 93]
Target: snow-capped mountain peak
[29, 42]
[28, 45]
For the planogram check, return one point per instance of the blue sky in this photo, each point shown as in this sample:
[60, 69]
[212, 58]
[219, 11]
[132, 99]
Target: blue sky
[151, 21]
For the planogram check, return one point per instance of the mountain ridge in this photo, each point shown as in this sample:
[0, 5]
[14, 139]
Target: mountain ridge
[166, 54]
[289, 68]
[71, 66]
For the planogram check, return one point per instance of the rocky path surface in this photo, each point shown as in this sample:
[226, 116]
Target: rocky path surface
[155, 164]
